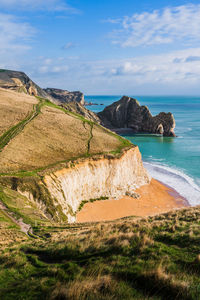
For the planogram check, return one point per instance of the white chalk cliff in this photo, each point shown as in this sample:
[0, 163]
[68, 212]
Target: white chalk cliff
[95, 178]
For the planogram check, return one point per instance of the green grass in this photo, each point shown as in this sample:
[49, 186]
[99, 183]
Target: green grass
[6, 221]
[152, 258]
[21, 207]
[91, 200]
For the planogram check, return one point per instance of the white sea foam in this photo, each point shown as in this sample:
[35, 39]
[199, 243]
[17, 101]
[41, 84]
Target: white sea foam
[176, 179]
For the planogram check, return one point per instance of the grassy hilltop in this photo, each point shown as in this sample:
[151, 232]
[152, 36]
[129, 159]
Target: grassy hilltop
[42, 134]
[38, 137]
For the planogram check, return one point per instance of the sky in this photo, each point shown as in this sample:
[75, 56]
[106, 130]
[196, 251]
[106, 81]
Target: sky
[104, 47]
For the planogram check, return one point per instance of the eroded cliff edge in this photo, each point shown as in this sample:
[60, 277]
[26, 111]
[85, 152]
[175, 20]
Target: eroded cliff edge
[70, 159]
[96, 178]
[60, 193]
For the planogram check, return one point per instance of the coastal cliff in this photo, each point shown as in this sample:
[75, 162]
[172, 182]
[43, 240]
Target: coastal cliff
[64, 96]
[127, 113]
[94, 179]
[59, 159]
[20, 82]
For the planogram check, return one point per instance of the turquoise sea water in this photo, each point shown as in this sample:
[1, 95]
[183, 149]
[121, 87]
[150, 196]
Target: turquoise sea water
[174, 161]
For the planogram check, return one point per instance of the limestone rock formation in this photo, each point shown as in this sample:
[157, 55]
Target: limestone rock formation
[64, 96]
[94, 178]
[20, 82]
[127, 113]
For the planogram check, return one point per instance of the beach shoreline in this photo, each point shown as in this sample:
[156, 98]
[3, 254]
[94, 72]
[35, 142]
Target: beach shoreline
[155, 198]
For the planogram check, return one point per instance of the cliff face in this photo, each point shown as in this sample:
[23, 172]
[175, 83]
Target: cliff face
[127, 113]
[93, 179]
[20, 82]
[64, 96]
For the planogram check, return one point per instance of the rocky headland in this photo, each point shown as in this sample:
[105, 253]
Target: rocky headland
[57, 159]
[20, 82]
[128, 114]
[64, 96]
[72, 157]
[125, 115]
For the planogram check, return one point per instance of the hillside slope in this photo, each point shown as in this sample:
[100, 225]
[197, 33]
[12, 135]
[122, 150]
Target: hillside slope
[152, 258]
[41, 154]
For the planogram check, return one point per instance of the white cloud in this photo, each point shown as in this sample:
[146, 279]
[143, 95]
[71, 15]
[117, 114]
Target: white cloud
[175, 67]
[50, 5]
[50, 66]
[151, 74]
[14, 35]
[181, 23]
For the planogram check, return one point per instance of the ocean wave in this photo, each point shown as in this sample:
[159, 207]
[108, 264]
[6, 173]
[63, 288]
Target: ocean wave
[178, 180]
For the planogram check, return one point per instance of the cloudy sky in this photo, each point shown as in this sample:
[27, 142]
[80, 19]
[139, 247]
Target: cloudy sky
[104, 46]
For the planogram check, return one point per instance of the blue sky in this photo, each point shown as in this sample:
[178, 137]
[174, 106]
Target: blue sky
[104, 46]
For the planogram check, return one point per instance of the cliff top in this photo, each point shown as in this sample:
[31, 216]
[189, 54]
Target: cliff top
[38, 134]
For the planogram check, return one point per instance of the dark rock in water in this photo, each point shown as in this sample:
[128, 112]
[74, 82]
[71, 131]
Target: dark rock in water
[90, 103]
[64, 96]
[127, 113]
[20, 82]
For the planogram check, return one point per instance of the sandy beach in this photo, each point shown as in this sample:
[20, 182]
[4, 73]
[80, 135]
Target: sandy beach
[154, 198]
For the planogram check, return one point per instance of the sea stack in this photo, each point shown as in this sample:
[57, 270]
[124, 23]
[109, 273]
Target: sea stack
[128, 113]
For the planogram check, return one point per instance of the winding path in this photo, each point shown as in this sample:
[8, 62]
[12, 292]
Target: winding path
[25, 228]
[15, 130]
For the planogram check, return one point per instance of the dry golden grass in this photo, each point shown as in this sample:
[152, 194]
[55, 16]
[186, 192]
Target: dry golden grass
[53, 136]
[14, 107]
[10, 237]
[102, 141]
[85, 289]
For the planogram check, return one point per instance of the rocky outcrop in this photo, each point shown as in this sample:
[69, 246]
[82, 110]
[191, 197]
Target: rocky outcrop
[64, 96]
[20, 82]
[95, 178]
[127, 113]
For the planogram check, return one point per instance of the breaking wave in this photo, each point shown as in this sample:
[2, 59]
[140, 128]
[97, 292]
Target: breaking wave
[176, 179]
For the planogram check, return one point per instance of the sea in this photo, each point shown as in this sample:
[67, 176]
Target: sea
[173, 161]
